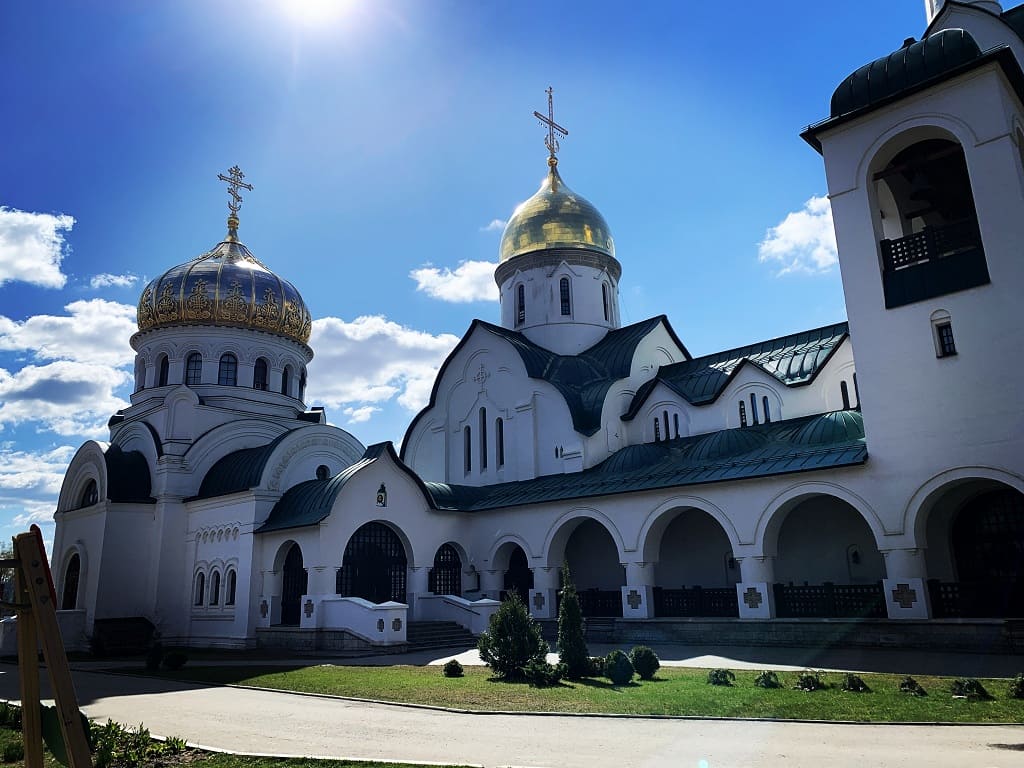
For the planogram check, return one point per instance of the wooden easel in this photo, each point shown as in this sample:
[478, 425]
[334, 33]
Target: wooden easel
[35, 604]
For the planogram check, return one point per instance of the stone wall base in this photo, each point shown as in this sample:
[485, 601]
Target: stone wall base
[314, 640]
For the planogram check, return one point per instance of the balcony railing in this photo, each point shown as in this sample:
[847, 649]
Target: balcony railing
[929, 244]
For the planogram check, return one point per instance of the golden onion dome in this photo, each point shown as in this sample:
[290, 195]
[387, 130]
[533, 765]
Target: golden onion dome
[226, 286]
[555, 217]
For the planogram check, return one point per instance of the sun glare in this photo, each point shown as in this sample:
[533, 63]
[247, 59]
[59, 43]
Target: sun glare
[315, 12]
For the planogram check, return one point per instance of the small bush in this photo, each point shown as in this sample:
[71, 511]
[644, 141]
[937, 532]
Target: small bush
[854, 684]
[175, 745]
[123, 747]
[154, 657]
[720, 677]
[645, 662]
[809, 680]
[10, 716]
[618, 668]
[970, 689]
[767, 679]
[452, 668]
[596, 667]
[14, 752]
[911, 686]
[512, 641]
[540, 674]
[174, 660]
[1016, 690]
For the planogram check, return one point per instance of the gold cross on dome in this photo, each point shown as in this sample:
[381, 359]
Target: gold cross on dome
[234, 181]
[554, 129]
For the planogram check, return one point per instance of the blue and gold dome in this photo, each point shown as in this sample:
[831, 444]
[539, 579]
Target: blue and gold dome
[227, 286]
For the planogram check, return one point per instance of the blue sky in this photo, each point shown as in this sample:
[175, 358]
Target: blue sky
[385, 138]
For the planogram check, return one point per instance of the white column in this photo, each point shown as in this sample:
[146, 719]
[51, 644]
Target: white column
[754, 594]
[417, 582]
[638, 594]
[491, 583]
[905, 586]
[544, 595]
[320, 584]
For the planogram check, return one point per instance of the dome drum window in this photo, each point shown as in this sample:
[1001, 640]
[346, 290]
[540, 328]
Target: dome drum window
[563, 293]
[227, 372]
[260, 376]
[194, 370]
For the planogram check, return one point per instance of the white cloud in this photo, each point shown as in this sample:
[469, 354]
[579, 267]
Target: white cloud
[359, 415]
[94, 331]
[805, 241]
[32, 473]
[107, 280]
[470, 281]
[32, 246]
[371, 360]
[496, 225]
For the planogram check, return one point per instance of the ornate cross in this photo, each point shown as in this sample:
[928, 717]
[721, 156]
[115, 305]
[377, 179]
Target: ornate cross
[234, 181]
[309, 608]
[904, 595]
[554, 129]
[634, 599]
[481, 376]
[538, 601]
[752, 598]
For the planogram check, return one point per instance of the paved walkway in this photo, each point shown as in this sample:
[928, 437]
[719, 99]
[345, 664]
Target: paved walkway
[255, 721]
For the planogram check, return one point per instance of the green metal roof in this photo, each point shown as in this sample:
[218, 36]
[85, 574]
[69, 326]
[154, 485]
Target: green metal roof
[238, 471]
[794, 360]
[128, 477]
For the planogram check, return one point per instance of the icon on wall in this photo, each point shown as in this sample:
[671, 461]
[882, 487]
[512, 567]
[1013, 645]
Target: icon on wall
[382, 496]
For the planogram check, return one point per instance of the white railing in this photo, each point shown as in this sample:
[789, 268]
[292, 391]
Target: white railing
[377, 623]
[474, 615]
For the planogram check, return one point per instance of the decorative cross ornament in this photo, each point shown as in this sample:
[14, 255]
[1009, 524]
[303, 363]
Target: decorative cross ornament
[234, 181]
[396, 625]
[308, 608]
[904, 596]
[554, 129]
[753, 598]
[634, 599]
[380, 625]
[538, 601]
[481, 376]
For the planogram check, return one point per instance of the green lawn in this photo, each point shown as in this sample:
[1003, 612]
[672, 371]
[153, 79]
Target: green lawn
[675, 691]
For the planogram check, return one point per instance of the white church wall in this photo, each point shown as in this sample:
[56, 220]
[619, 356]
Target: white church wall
[81, 532]
[127, 561]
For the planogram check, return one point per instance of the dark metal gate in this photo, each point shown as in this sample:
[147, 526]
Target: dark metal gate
[374, 565]
[446, 575]
[295, 583]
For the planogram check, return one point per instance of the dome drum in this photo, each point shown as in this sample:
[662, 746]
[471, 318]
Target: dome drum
[552, 257]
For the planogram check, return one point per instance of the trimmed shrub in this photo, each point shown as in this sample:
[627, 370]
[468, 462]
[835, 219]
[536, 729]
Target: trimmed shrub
[970, 689]
[767, 679]
[174, 660]
[1016, 690]
[452, 668]
[572, 645]
[911, 686]
[14, 752]
[808, 680]
[645, 662]
[721, 677]
[540, 674]
[595, 667]
[854, 684]
[618, 668]
[512, 641]
[10, 716]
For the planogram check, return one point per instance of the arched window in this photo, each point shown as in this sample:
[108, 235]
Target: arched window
[200, 588]
[467, 450]
[845, 392]
[446, 575]
[232, 579]
[227, 372]
[657, 429]
[323, 472]
[259, 375]
[499, 441]
[664, 420]
[604, 300]
[753, 407]
[69, 599]
[563, 294]
[302, 384]
[856, 389]
[675, 423]
[483, 439]
[194, 369]
[767, 413]
[520, 304]
[163, 370]
[286, 380]
[215, 587]
[90, 495]
[743, 414]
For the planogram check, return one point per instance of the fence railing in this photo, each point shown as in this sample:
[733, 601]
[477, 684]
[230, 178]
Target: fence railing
[930, 243]
[696, 601]
[976, 600]
[830, 601]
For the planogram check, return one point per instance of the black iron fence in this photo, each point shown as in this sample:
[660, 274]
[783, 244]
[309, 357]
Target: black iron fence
[976, 600]
[696, 601]
[829, 600]
[930, 243]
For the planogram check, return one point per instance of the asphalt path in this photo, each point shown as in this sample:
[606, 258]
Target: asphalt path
[269, 722]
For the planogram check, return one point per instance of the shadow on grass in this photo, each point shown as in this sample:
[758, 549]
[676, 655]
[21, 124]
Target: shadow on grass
[606, 685]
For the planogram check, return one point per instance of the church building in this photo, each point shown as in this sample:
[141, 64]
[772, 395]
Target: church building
[869, 472]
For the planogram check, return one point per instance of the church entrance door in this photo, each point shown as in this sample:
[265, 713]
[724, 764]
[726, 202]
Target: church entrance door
[446, 575]
[374, 565]
[518, 577]
[294, 587]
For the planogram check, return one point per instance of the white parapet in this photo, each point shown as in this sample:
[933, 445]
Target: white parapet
[474, 615]
[377, 623]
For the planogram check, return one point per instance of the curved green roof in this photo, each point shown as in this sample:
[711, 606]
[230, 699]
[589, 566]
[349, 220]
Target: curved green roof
[239, 470]
[902, 70]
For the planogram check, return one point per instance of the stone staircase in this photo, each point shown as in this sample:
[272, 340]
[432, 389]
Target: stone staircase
[422, 635]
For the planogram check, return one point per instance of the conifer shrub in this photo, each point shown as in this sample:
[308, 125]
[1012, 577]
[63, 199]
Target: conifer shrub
[512, 641]
[540, 674]
[910, 686]
[767, 679]
[595, 666]
[618, 668]
[1016, 690]
[721, 677]
[14, 752]
[645, 661]
[970, 689]
[572, 645]
[809, 680]
[452, 668]
[854, 684]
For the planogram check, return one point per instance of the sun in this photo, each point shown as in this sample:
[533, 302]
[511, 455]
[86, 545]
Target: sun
[314, 13]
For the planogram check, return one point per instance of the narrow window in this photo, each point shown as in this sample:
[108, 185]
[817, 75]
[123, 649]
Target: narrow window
[845, 392]
[90, 495]
[563, 292]
[70, 597]
[163, 371]
[856, 389]
[483, 439]
[227, 372]
[657, 429]
[229, 599]
[140, 374]
[286, 376]
[604, 300]
[767, 413]
[753, 407]
[259, 375]
[499, 441]
[664, 420]
[520, 304]
[743, 414]
[467, 450]
[302, 384]
[194, 369]
[200, 588]
[947, 347]
[214, 587]
[675, 423]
